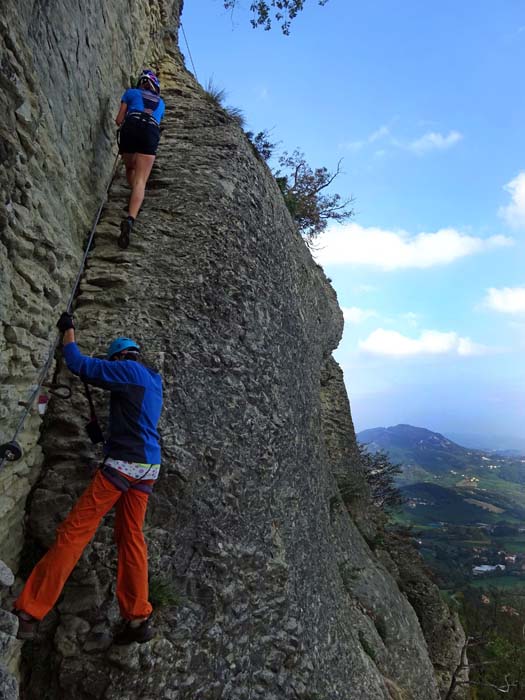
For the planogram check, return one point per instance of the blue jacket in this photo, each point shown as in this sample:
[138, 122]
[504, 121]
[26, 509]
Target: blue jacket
[135, 404]
[139, 100]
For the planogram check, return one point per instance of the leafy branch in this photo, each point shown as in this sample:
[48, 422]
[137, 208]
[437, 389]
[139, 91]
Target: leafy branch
[264, 12]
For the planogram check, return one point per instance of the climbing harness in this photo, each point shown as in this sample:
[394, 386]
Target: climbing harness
[123, 484]
[11, 451]
[142, 117]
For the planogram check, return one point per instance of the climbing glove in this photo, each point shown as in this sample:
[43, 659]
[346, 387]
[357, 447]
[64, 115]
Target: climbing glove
[65, 322]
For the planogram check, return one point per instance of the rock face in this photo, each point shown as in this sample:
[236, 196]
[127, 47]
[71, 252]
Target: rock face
[263, 585]
[64, 66]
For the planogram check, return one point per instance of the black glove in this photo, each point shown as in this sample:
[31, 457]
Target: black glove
[65, 322]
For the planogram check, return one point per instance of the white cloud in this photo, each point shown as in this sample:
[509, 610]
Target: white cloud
[353, 145]
[508, 300]
[431, 141]
[390, 250]
[376, 135]
[394, 344]
[514, 213]
[379, 134]
[365, 288]
[411, 318]
[354, 314]
[434, 141]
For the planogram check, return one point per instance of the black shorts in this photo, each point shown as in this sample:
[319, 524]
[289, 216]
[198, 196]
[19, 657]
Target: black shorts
[139, 136]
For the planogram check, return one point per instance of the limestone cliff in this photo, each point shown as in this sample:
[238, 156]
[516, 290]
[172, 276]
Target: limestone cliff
[265, 587]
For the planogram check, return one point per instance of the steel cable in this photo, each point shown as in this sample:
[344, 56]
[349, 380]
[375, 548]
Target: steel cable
[51, 352]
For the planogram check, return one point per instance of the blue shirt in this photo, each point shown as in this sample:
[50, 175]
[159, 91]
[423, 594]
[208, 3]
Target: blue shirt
[139, 100]
[135, 404]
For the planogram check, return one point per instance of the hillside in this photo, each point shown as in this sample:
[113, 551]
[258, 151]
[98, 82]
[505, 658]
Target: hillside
[428, 456]
[467, 504]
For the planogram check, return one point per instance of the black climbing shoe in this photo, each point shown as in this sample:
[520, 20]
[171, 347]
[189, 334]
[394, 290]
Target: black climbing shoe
[141, 633]
[125, 231]
[27, 625]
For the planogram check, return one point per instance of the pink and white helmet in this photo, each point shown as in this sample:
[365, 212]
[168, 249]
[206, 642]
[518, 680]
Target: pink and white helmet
[149, 77]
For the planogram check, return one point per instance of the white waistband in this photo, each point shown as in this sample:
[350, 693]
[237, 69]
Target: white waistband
[135, 470]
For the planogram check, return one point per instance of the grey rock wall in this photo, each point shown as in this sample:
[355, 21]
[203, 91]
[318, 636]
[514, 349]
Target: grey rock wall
[226, 299]
[263, 585]
[64, 66]
[9, 645]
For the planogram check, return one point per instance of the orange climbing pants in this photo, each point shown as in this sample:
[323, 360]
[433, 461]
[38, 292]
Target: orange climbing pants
[47, 579]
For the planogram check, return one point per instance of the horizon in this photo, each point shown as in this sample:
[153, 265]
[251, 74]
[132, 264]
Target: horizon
[477, 440]
[422, 105]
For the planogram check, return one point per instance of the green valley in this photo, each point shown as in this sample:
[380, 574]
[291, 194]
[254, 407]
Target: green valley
[466, 507]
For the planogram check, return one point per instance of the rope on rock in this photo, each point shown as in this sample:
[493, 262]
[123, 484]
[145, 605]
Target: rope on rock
[11, 451]
[189, 51]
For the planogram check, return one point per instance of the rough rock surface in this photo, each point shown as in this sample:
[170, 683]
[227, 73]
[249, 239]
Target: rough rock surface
[64, 66]
[9, 645]
[263, 585]
[441, 627]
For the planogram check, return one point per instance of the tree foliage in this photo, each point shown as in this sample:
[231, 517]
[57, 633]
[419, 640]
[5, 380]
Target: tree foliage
[303, 188]
[261, 143]
[217, 96]
[265, 11]
[493, 620]
[303, 191]
[381, 473]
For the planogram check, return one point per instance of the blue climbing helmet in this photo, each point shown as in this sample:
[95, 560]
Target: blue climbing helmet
[120, 344]
[149, 77]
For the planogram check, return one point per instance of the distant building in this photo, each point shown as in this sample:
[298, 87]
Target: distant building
[486, 569]
[510, 611]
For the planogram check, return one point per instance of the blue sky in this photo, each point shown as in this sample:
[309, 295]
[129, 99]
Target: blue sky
[425, 104]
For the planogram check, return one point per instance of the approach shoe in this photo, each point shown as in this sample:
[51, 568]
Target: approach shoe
[125, 231]
[27, 625]
[130, 633]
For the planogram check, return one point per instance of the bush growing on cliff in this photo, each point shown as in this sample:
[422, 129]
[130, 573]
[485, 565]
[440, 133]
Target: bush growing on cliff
[381, 473]
[493, 622]
[162, 593]
[303, 187]
[261, 144]
[303, 191]
[217, 97]
[283, 11]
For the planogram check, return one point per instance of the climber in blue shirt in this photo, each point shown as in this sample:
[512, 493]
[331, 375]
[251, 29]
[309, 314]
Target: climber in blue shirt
[139, 116]
[125, 480]
[135, 402]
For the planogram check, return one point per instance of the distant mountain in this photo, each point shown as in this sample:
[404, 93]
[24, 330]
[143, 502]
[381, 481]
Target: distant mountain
[491, 482]
[510, 453]
[404, 436]
[466, 506]
[418, 447]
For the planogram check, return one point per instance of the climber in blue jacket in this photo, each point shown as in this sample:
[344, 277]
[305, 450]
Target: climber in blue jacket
[139, 116]
[125, 480]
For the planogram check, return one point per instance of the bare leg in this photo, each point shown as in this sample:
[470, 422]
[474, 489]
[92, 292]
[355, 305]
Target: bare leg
[129, 161]
[143, 165]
